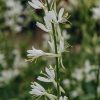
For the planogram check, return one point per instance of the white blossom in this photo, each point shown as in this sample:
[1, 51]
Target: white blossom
[60, 18]
[39, 90]
[37, 4]
[63, 98]
[35, 53]
[47, 27]
[50, 75]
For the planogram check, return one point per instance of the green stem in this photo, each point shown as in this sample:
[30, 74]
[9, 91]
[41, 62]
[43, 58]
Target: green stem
[57, 62]
[57, 59]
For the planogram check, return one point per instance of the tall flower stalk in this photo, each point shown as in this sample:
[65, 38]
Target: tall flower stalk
[56, 52]
[57, 62]
[52, 21]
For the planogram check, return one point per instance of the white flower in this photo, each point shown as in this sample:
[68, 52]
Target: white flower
[96, 12]
[47, 27]
[37, 4]
[50, 17]
[35, 53]
[39, 90]
[60, 18]
[63, 98]
[50, 75]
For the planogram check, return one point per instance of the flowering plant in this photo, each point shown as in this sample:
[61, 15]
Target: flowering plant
[52, 21]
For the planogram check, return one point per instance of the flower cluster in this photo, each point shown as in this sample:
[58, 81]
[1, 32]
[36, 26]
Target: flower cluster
[52, 22]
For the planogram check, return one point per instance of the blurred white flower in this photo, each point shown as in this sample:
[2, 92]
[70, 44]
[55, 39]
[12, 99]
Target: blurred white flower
[2, 60]
[97, 49]
[19, 63]
[15, 8]
[99, 89]
[18, 28]
[39, 90]
[74, 93]
[35, 53]
[37, 4]
[96, 12]
[12, 14]
[7, 75]
[87, 67]
[66, 83]
[78, 91]
[78, 74]
[88, 73]
[63, 98]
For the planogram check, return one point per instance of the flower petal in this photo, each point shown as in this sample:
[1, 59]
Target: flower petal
[60, 14]
[33, 5]
[43, 79]
[41, 26]
[50, 72]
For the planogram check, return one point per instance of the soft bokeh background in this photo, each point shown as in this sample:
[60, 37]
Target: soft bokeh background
[18, 32]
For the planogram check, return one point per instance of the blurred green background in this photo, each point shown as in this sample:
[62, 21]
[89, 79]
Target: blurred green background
[18, 32]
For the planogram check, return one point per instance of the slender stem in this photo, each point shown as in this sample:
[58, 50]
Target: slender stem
[57, 59]
[57, 62]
